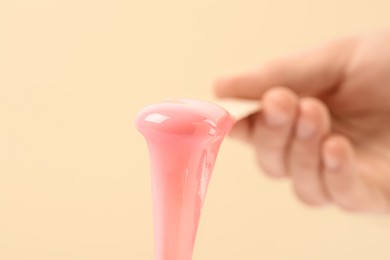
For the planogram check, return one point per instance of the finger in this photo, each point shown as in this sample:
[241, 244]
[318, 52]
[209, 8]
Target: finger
[272, 130]
[344, 178]
[312, 126]
[314, 72]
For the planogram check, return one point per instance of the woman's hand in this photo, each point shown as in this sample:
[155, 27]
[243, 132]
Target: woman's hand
[325, 121]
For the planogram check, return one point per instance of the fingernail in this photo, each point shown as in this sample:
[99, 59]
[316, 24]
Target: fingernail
[275, 116]
[331, 162]
[305, 129]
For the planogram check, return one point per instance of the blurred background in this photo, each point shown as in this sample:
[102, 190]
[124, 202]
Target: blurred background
[74, 173]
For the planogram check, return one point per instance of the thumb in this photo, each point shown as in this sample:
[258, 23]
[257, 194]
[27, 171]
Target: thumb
[317, 72]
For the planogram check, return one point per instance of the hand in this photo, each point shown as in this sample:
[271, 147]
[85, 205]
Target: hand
[325, 121]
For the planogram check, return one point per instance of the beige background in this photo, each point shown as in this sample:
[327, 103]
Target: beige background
[74, 175]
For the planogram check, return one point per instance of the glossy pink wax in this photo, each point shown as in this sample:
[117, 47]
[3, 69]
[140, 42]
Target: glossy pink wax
[183, 138]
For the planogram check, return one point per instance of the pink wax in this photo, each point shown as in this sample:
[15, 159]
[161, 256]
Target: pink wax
[183, 138]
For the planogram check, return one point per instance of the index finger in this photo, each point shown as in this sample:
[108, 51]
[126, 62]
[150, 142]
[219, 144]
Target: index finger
[312, 73]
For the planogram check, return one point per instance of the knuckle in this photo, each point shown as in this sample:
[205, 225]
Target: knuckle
[310, 196]
[272, 168]
[351, 203]
[352, 207]
[274, 174]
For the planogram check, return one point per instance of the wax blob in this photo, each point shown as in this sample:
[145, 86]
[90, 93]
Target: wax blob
[183, 138]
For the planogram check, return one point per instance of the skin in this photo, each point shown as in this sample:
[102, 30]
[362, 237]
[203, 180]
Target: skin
[324, 122]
